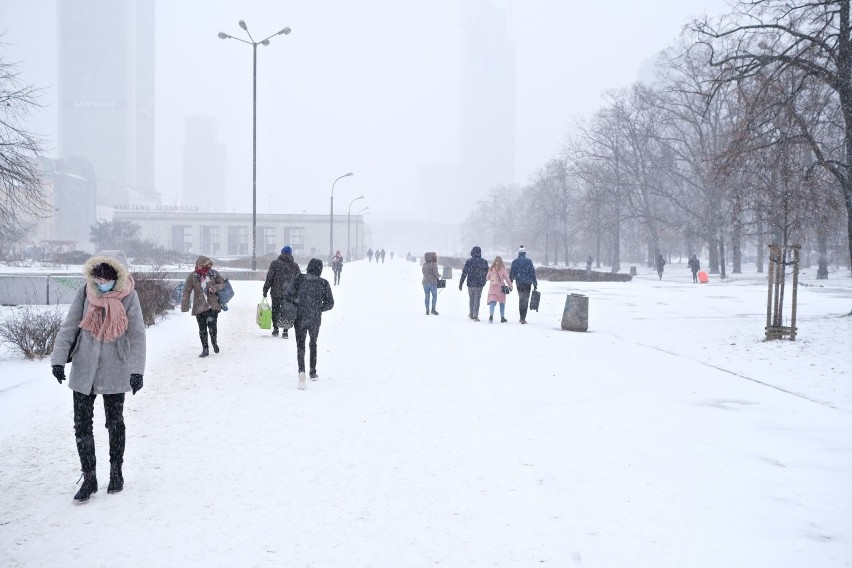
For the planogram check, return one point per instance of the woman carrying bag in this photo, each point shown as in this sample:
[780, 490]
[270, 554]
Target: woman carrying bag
[204, 283]
[430, 280]
[498, 286]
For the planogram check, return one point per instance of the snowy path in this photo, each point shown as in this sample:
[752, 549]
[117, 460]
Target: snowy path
[439, 441]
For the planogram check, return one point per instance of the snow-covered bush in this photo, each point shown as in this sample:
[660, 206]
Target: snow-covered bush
[31, 330]
[154, 296]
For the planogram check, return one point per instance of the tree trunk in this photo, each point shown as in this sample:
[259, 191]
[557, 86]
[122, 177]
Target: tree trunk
[760, 246]
[713, 252]
[736, 246]
[616, 248]
[722, 256]
[822, 248]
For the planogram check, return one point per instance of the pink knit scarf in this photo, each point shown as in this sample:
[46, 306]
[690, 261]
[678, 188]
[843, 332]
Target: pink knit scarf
[106, 317]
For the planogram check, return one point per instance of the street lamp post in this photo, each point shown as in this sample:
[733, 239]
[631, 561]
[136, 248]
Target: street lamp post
[331, 219]
[254, 45]
[348, 229]
[358, 253]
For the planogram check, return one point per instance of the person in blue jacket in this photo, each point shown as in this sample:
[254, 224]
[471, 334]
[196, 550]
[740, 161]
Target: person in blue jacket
[475, 270]
[523, 274]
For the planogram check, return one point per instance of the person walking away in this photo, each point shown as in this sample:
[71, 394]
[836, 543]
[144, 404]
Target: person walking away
[523, 273]
[370, 254]
[497, 277]
[475, 269]
[337, 267]
[660, 262]
[203, 283]
[589, 260]
[282, 271]
[695, 266]
[430, 280]
[383, 256]
[104, 332]
[312, 296]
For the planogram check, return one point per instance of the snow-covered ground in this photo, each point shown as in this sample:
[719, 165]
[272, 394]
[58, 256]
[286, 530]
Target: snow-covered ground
[669, 435]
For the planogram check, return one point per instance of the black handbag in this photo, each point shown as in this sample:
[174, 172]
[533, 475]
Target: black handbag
[505, 289]
[442, 283]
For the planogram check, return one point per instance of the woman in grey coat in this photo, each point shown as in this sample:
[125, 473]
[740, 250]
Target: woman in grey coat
[430, 280]
[104, 334]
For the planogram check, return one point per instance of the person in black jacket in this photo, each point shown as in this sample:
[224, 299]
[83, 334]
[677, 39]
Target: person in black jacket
[475, 270]
[312, 296]
[695, 266]
[282, 272]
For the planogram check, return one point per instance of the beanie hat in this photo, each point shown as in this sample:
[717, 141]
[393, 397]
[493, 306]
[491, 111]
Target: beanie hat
[522, 250]
[287, 250]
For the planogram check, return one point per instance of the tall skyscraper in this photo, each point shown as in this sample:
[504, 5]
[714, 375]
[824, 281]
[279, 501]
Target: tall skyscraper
[487, 137]
[203, 165]
[106, 94]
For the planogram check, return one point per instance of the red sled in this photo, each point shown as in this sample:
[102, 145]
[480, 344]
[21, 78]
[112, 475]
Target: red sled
[703, 278]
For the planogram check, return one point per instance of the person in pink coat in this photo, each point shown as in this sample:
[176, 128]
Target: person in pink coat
[497, 277]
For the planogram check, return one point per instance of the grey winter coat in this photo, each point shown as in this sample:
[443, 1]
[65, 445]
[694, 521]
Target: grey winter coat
[100, 367]
[430, 268]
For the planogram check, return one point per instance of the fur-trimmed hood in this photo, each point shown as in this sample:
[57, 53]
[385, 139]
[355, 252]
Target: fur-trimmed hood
[115, 258]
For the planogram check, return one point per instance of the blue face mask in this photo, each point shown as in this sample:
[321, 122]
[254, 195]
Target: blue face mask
[106, 286]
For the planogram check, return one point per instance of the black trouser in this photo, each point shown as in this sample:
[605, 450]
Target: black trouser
[337, 277]
[524, 299]
[207, 320]
[84, 406]
[277, 312]
[695, 275]
[301, 333]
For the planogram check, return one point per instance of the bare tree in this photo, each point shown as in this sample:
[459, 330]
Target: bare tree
[813, 39]
[22, 195]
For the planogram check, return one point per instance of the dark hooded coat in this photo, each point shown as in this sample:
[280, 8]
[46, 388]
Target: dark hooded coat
[475, 270]
[311, 294]
[281, 274]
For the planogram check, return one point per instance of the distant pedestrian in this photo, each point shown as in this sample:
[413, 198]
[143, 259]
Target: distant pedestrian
[475, 269]
[312, 296]
[660, 262]
[337, 267]
[282, 271]
[430, 280]
[370, 254]
[695, 266]
[589, 263]
[391, 255]
[523, 273]
[104, 332]
[498, 284]
[383, 256]
[203, 283]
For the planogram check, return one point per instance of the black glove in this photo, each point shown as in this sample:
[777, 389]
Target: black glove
[59, 373]
[264, 296]
[135, 382]
[460, 286]
[535, 287]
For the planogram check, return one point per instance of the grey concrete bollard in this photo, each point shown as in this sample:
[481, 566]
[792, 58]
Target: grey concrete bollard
[575, 316]
[448, 273]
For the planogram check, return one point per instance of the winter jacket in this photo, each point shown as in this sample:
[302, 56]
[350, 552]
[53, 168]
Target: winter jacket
[694, 264]
[282, 271]
[475, 269]
[523, 271]
[430, 268]
[660, 262]
[101, 367]
[337, 263]
[311, 294]
[496, 280]
[202, 300]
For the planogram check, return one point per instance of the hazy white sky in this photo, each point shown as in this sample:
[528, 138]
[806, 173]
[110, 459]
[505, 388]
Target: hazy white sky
[370, 86]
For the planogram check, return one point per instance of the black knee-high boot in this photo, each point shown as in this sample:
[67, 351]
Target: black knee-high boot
[114, 410]
[83, 411]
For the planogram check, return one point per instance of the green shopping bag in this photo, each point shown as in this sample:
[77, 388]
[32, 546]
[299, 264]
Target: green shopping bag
[264, 315]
